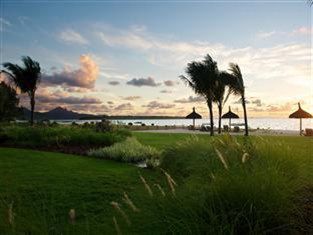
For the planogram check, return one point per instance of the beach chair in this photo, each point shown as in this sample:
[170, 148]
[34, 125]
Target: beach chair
[236, 129]
[308, 132]
[226, 128]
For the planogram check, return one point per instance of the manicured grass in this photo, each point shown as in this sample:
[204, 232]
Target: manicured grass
[163, 140]
[45, 186]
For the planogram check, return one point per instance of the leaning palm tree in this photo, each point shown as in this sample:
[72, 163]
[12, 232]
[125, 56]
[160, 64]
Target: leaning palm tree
[237, 87]
[25, 78]
[221, 94]
[201, 78]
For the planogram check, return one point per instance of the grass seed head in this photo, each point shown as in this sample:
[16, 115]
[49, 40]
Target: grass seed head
[129, 202]
[117, 228]
[72, 216]
[221, 157]
[161, 190]
[11, 214]
[117, 207]
[147, 187]
[245, 157]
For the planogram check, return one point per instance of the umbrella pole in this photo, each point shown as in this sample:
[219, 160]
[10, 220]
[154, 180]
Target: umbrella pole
[230, 125]
[300, 126]
[193, 124]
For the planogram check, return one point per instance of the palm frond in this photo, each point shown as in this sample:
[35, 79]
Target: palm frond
[237, 85]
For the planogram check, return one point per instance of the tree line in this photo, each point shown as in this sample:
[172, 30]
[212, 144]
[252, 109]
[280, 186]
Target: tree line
[205, 78]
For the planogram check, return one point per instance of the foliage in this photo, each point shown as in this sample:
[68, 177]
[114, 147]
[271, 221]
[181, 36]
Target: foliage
[267, 191]
[236, 86]
[57, 135]
[26, 78]
[251, 185]
[202, 77]
[128, 151]
[8, 102]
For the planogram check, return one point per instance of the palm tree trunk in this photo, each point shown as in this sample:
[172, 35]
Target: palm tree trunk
[32, 108]
[219, 118]
[211, 118]
[245, 114]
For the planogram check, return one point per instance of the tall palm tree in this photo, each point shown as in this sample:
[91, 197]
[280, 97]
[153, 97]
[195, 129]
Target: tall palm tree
[201, 78]
[237, 87]
[221, 94]
[25, 78]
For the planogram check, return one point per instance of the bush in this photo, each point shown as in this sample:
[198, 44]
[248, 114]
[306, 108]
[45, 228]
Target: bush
[128, 151]
[43, 136]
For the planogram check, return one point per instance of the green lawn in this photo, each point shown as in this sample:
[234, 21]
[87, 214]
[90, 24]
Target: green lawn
[45, 186]
[163, 140]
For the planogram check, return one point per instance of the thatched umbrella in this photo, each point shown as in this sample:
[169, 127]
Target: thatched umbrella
[300, 113]
[193, 116]
[230, 115]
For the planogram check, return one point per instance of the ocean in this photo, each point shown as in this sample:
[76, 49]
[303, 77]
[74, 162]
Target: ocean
[262, 123]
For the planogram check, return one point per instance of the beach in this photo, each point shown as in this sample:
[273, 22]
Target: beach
[252, 132]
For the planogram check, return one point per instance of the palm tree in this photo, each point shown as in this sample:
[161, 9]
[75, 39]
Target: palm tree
[237, 87]
[202, 76]
[221, 94]
[25, 78]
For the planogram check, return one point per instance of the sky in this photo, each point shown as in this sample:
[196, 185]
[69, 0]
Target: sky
[125, 57]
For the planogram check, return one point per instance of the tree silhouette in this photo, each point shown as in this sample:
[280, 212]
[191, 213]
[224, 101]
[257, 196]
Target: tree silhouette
[201, 78]
[221, 94]
[8, 102]
[237, 87]
[25, 78]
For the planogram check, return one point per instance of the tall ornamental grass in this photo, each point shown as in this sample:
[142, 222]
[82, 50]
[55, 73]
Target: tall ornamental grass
[241, 186]
[131, 150]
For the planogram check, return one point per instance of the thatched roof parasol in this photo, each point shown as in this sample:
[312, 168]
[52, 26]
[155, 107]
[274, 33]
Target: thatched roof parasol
[193, 116]
[230, 115]
[300, 113]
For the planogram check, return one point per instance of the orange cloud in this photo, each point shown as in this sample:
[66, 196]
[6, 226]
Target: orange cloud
[83, 77]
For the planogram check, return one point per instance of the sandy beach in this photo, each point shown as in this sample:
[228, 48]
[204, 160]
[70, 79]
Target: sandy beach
[252, 132]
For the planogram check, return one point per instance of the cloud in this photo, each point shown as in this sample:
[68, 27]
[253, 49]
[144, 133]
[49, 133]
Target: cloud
[190, 99]
[124, 107]
[84, 77]
[149, 81]
[264, 35]
[170, 83]
[113, 83]
[4, 24]
[72, 36]
[156, 104]
[68, 100]
[257, 102]
[166, 91]
[110, 102]
[132, 98]
[23, 19]
[303, 31]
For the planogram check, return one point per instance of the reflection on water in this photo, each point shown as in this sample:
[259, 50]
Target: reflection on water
[263, 123]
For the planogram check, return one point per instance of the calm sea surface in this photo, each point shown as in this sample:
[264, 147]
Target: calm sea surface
[264, 123]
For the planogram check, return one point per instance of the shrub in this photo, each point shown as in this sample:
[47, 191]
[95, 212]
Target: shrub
[128, 151]
[61, 135]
